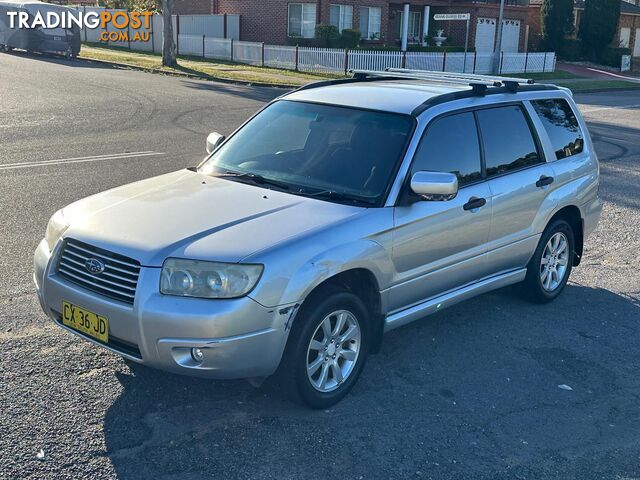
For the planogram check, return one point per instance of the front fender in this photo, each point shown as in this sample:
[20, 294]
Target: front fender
[363, 254]
[293, 277]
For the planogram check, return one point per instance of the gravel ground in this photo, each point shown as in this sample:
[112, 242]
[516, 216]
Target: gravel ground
[471, 392]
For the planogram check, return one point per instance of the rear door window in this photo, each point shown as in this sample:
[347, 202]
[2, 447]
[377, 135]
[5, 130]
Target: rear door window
[561, 125]
[507, 140]
[451, 145]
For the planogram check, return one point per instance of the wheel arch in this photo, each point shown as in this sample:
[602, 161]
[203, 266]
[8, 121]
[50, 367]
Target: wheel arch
[572, 215]
[363, 283]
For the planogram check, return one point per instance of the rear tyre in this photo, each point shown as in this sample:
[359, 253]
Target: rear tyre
[327, 349]
[549, 268]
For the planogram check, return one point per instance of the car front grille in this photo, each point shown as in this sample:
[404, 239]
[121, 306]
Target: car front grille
[118, 280]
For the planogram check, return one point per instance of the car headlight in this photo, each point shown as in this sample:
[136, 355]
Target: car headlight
[55, 229]
[195, 278]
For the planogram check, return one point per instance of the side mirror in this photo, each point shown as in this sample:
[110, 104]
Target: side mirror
[435, 185]
[213, 141]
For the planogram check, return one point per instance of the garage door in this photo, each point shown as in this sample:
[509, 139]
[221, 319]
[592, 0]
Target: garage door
[510, 35]
[636, 45]
[485, 34]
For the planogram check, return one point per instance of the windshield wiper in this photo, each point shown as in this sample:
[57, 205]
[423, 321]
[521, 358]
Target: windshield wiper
[254, 178]
[338, 196]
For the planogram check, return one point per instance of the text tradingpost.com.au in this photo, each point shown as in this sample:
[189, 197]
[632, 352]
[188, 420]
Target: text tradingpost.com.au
[22, 19]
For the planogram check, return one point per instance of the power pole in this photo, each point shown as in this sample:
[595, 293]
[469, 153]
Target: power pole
[498, 49]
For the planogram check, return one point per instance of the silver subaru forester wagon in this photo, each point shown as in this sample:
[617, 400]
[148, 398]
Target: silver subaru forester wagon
[340, 211]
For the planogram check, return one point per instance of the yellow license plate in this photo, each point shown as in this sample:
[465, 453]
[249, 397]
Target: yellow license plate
[84, 321]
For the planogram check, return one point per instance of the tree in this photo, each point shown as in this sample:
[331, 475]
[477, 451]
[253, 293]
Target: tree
[556, 18]
[168, 45]
[598, 26]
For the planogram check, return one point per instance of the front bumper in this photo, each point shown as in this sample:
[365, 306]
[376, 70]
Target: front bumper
[239, 337]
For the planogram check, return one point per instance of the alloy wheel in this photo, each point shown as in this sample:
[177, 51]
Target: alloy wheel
[333, 350]
[554, 262]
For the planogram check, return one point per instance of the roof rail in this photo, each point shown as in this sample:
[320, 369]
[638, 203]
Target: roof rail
[496, 78]
[479, 83]
[479, 86]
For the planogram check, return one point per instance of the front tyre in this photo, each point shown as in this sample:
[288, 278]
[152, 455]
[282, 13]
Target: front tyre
[549, 268]
[327, 349]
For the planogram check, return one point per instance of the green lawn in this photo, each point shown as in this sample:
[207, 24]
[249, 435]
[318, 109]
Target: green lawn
[215, 69]
[582, 85]
[557, 75]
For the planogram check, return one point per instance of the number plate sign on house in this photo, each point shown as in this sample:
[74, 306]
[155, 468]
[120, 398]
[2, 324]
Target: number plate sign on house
[452, 16]
[458, 16]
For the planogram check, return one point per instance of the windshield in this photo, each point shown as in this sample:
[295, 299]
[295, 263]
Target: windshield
[317, 150]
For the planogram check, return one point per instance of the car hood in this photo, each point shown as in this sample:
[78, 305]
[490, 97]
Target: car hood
[190, 215]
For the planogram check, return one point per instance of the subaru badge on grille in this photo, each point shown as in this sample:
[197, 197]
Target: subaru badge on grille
[94, 266]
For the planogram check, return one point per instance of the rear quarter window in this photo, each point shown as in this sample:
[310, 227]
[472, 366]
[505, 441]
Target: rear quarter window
[561, 126]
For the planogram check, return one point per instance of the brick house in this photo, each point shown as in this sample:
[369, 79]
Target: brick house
[627, 34]
[379, 21]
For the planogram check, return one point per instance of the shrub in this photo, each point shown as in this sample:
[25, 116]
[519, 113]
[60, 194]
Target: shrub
[349, 38]
[301, 41]
[612, 56]
[444, 48]
[327, 35]
[571, 50]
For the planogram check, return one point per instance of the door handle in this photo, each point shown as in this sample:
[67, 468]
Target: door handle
[474, 202]
[544, 181]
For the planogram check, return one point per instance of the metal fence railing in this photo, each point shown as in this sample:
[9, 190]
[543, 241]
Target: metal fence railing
[321, 60]
[280, 57]
[374, 60]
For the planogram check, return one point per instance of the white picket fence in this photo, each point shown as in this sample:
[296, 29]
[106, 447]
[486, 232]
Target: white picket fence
[337, 60]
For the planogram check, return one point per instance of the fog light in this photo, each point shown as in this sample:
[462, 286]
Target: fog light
[197, 355]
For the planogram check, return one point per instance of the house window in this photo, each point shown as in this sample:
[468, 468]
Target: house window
[370, 20]
[414, 35]
[625, 37]
[341, 16]
[302, 20]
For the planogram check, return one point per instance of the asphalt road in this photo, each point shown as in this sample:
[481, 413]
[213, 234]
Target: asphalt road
[469, 393]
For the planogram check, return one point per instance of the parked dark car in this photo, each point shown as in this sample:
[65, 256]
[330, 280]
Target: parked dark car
[62, 41]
